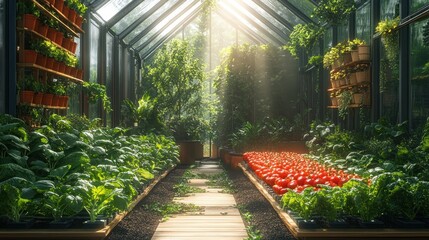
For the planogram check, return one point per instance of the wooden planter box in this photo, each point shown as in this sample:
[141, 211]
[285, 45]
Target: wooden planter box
[78, 234]
[190, 151]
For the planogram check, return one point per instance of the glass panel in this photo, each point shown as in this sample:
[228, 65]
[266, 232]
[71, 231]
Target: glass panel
[2, 58]
[417, 4]
[109, 74]
[142, 26]
[419, 74]
[328, 39]
[343, 31]
[389, 8]
[284, 12]
[93, 64]
[305, 6]
[75, 99]
[363, 22]
[108, 10]
[133, 15]
[163, 23]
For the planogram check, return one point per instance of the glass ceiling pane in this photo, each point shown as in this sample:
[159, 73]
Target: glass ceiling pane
[133, 15]
[149, 21]
[306, 6]
[108, 10]
[267, 16]
[235, 10]
[284, 12]
[173, 15]
[170, 28]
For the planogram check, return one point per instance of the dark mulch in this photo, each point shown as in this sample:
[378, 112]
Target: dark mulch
[141, 224]
[265, 219]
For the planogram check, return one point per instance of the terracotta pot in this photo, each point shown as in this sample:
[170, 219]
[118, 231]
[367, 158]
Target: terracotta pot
[50, 63]
[63, 101]
[65, 10]
[79, 73]
[364, 52]
[62, 67]
[59, 38]
[72, 15]
[42, 29]
[66, 43]
[41, 60]
[52, 2]
[26, 96]
[352, 78]
[73, 47]
[52, 34]
[37, 99]
[235, 159]
[355, 55]
[47, 99]
[55, 100]
[66, 101]
[56, 66]
[79, 20]
[68, 70]
[29, 56]
[73, 72]
[29, 21]
[59, 4]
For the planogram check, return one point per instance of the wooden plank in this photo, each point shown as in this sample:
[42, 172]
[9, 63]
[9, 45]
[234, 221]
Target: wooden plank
[198, 238]
[220, 235]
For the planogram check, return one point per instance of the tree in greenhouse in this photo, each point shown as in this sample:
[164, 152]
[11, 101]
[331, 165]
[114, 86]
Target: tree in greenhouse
[175, 78]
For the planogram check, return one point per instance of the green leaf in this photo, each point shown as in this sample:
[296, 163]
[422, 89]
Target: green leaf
[9, 170]
[44, 184]
[60, 172]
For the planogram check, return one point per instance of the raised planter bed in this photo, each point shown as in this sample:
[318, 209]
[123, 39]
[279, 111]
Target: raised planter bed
[331, 233]
[79, 233]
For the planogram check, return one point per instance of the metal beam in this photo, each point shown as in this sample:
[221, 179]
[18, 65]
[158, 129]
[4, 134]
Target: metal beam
[156, 22]
[265, 21]
[172, 20]
[123, 12]
[172, 33]
[274, 14]
[256, 25]
[97, 4]
[296, 11]
[10, 76]
[254, 36]
[141, 19]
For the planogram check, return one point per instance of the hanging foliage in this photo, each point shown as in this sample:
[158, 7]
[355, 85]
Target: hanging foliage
[334, 12]
[303, 37]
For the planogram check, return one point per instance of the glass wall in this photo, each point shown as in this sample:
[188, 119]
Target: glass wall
[389, 67]
[2, 57]
[343, 31]
[93, 65]
[363, 22]
[109, 74]
[75, 101]
[419, 68]
[417, 4]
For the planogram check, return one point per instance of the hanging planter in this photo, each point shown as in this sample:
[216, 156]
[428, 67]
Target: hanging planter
[73, 47]
[26, 96]
[63, 101]
[79, 74]
[334, 101]
[68, 70]
[29, 56]
[62, 67]
[357, 98]
[55, 65]
[66, 43]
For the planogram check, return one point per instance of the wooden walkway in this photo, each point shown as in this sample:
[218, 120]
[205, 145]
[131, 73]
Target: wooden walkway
[219, 220]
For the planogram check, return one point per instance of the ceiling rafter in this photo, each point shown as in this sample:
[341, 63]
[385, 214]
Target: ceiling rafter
[296, 11]
[172, 33]
[97, 4]
[274, 14]
[159, 31]
[156, 22]
[265, 21]
[123, 12]
[141, 19]
[257, 26]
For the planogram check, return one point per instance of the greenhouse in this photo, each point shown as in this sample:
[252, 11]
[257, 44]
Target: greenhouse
[214, 119]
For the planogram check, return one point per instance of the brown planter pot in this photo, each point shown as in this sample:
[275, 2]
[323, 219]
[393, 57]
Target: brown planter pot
[235, 159]
[52, 34]
[47, 99]
[352, 78]
[68, 70]
[347, 57]
[55, 66]
[41, 60]
[63, 102]
[66, 43]
[215, 151]
[364, 52]
[59, 38]
[55, 100]
[50, 63]
[65, 10]
[42, 29]
[334, 101]
[29, 21]
[26, 96]
[190, 151]
[362, 76]
[73, 72]
[37, 99]
[357, 98]
[62, 67]
[79, 20]
[342, 82]
[79, 74]
[52, 2]
[72, 15]
[73, 47]
[59, 4]
[355, 55]
[30, 56]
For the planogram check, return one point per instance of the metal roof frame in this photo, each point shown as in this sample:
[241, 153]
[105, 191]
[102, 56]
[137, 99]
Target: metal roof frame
[156, 22]
[258, 27]
[97, 4]
[274, 14]
[155, 35]
[296, 11]
[141, 19]
[123, 12]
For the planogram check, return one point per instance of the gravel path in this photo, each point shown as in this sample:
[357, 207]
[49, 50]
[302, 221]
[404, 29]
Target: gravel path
[141, 224]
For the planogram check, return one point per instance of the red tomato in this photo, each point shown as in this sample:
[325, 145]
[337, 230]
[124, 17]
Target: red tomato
[292, 184]
[301, 180]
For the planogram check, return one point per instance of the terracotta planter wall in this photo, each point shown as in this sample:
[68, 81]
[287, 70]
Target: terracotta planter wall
[26, 96]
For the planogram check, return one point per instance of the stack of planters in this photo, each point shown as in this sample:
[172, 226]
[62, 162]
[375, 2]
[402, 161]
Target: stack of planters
[377, 178]
[61, 175]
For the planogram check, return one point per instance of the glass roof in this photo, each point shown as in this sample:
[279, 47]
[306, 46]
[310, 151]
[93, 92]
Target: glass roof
[143, 24]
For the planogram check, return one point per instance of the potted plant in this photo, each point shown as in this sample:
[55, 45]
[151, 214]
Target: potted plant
[330, 58]
[303, 37]
[28, 15]
[95, 92]
[333, 12]
[39, 89]
[14, 205]
[25, 88]
[344, 100]
[333, 96]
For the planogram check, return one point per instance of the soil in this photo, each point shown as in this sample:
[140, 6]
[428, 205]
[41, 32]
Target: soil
[141, 223]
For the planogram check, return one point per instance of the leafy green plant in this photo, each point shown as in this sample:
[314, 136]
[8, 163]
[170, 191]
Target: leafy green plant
[95, 92]
[13, 204]
[344, 100]
[305, 37]
[252, 232]
[61, 202]
[333, 12]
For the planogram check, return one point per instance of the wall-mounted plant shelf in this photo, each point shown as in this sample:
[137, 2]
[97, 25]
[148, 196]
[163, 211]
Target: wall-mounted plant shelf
[60, 74]
[34, 33]
[350, 64]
